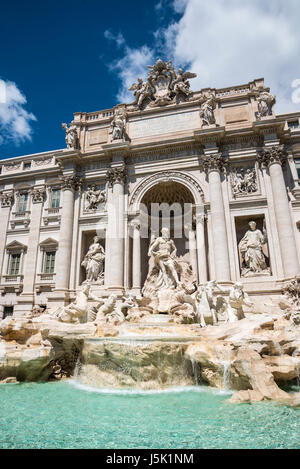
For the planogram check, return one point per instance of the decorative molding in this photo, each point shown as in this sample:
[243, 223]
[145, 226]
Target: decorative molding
[166, 176]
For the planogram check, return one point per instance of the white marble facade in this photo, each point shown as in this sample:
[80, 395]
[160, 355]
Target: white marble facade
[54, 204]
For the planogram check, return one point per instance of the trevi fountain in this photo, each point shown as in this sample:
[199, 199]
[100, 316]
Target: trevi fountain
[152, 338]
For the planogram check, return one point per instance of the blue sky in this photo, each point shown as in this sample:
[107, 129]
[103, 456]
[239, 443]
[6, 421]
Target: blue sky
[81, 55]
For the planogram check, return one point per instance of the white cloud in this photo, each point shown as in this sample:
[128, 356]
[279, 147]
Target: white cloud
[117, 38]
[131, 66]
[229, 42]
[226, 42]
[15, 121]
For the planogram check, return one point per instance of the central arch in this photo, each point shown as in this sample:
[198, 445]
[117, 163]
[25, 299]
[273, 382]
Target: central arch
[170, 204]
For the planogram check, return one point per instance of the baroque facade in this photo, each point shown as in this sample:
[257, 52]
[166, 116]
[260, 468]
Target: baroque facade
[76, 215]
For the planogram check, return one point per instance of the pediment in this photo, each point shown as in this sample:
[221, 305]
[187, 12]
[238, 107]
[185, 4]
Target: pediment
[16, 245]
[49, 242]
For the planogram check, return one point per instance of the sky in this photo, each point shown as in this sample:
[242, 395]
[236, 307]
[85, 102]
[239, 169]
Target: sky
[61, 57]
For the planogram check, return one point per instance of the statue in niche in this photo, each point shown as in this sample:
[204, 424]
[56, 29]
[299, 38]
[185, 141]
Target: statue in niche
[168, 276]
[118, 124]
[93, 263]
[142, 91]
[72, 140]
[207, 107]
[164, 252]
[243, 181]
[253, 252]
[94, 197]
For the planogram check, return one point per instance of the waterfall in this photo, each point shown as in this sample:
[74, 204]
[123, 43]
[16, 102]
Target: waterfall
[195, 368]
[226, 372]
[77, 369]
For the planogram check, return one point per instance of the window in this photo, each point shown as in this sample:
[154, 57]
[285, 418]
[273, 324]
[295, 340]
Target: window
[14, 264]
[27, 166]
[297, 163]
[8, 311]
[49, 266]
[22, 205]
[55, 198]
[293, 125]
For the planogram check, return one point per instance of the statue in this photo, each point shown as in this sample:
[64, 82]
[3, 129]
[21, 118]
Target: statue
[163, 85]
[243, 182]
[76, 312]
[113, 312]
[164, 252]
[142, 92]
[207, 107]
[237, 299]
[205, 306]
[72, 139]
[181, 85]
[118, 125]
[93, 262]
[265, 100]
[94, 197]
[291, 300]
[251, 250]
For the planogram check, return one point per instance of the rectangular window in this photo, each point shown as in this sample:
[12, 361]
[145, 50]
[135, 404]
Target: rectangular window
[27, 166]
[8, 311]
[293, 125]
[55, 198]
[297, 163]
[49, 262]
[14, 265]
[22, 205]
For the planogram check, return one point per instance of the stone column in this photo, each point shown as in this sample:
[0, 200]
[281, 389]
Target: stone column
[6, 204]
[273, 158]
[115, 233]
[201, 251]
[136, 255]
[192, 248]
[64, 253]
[214, 164]
[26, 299]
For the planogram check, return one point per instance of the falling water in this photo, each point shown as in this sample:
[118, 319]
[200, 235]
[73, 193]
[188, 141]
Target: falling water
[226, 372]
[195, 368]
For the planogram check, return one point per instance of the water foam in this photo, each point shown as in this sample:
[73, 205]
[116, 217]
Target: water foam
[137, 391]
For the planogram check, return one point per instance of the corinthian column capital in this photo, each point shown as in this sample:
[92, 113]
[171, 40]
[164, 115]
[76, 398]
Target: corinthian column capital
[214, 162]
[7, 199]
[70, 182]
[38, 195]
[116, 175]
[269, 156]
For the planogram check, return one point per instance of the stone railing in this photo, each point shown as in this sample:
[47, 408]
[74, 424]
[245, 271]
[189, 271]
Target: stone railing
[13, 278]
[100, 115]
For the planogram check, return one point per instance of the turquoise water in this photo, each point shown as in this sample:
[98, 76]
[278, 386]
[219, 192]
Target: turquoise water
[60, 415]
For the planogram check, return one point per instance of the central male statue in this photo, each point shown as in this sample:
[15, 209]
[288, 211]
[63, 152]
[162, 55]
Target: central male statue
[164, 252]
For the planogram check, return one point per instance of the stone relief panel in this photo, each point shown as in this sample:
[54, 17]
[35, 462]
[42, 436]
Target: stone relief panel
[94, 198]
[243, 181]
